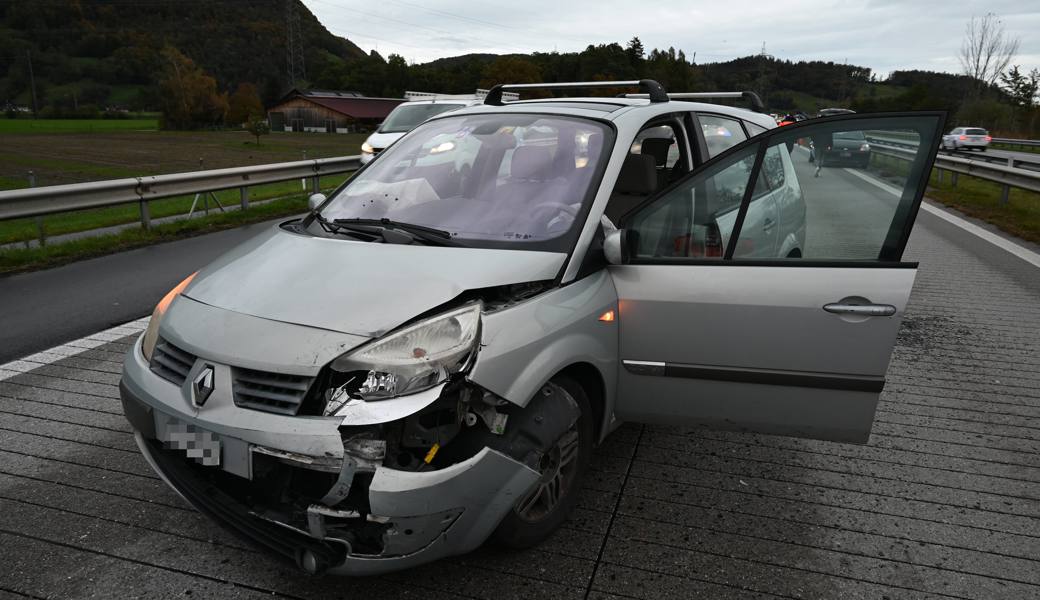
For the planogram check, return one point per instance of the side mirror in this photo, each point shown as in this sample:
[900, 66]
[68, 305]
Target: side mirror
[615, 246]
[316, 200]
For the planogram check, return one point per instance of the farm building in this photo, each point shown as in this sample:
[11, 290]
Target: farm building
[329, 111]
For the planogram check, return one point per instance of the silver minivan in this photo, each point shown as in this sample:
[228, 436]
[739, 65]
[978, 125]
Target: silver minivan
[428, 358]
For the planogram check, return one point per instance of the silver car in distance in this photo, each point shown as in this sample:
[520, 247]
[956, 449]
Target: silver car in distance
[428, 358]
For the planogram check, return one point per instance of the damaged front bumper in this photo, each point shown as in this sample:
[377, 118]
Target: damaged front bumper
[276, 484]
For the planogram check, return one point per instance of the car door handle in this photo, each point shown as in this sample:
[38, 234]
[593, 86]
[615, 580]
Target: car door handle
[868, 310]
[767, 224]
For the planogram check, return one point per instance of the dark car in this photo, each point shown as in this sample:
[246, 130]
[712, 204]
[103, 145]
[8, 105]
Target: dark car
[847, 148]
[830, 112]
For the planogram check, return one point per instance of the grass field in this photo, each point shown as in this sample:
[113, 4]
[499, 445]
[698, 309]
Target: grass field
[88, 152]
[59, 158]
[76, 125]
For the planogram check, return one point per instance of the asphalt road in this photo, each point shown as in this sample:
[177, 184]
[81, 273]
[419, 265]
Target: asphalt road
[943, 502]
[46, 308]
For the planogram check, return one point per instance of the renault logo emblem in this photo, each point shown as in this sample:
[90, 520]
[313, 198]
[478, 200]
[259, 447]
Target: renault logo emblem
[202, 386]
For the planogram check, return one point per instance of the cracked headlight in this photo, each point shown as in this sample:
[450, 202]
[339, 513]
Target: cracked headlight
[151, 335]
[410, 360]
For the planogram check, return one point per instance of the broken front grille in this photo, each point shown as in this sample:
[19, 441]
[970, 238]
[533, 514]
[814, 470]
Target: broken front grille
[270, 392]
[170, 362]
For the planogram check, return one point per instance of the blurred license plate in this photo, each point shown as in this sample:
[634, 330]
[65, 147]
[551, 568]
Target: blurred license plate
[199, 444]
[846, 154]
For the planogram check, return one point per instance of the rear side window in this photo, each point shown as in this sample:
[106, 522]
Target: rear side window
[720, 133]
[754, 128]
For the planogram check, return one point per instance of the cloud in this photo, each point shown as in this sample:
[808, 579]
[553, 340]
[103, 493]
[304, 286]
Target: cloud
[884, 35]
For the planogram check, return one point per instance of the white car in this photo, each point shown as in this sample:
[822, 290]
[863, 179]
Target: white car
[405, 117]
[966, 138]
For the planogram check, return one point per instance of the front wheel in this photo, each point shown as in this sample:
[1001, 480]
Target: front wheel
[563, 466]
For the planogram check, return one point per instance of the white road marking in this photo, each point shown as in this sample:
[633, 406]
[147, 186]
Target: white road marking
[52, 355]
[1004, 244]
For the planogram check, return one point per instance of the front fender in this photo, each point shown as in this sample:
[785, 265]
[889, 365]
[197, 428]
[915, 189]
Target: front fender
[523, 346]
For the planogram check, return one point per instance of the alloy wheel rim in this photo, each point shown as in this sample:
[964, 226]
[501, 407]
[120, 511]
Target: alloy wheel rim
[558, 468]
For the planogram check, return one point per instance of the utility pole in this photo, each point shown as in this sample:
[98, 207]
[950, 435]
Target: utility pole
[293, 44]
[762, 82]
[32, 82]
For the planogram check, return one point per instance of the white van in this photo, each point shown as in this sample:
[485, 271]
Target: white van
[420, 106]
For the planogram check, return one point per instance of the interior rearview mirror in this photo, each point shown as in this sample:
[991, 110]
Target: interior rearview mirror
[316, 200]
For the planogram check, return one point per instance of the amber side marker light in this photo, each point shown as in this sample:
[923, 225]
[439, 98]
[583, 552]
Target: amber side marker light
[607, 317]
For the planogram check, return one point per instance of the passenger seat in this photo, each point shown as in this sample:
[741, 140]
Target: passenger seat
[636, 181]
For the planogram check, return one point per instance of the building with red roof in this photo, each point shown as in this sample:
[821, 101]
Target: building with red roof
[329, 111]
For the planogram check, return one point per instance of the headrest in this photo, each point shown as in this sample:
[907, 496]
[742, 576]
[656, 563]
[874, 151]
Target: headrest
[638, 175]
[532, 162]
[658, 148]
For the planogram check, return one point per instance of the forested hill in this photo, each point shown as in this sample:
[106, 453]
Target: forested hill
[92, 55]
[108, 51]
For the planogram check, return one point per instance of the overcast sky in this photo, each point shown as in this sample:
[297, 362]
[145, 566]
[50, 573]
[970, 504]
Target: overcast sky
[884, 35]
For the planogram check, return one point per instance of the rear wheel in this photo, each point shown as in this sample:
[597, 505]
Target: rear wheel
[563, 465]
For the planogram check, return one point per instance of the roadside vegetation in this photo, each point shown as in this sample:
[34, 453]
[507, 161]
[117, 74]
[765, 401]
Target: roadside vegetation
[1033, 149]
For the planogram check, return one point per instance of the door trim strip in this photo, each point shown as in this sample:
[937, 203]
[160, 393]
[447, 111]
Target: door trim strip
[852, 383]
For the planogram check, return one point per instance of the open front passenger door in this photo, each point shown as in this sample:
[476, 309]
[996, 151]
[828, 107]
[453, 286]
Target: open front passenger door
[764, 291]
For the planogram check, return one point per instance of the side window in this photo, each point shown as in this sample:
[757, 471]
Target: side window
[754, 128]
[689, 221]
[656, 158]
[720, 133]
[821, 193]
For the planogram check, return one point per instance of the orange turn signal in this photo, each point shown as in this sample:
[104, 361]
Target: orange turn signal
[607, 317]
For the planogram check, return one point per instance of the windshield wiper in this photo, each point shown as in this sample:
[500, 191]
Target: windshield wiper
[430, 235]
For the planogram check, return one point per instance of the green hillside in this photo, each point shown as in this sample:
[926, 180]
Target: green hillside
[106, 52]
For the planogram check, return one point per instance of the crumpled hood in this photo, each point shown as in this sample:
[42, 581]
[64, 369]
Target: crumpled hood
[360, 288]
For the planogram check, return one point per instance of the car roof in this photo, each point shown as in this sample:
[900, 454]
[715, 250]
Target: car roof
[612, 108]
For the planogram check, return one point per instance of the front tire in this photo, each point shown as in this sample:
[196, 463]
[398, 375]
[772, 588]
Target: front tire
[564, 464]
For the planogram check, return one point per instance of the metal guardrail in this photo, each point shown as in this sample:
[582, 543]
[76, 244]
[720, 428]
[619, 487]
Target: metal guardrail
[38, 201]
[1014, 142]
[1025, 162]
[1002, 174]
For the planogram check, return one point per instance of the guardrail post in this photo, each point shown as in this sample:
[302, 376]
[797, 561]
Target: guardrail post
[315, 184]
[146, 217]
[42, 235]
[939, 175]
[953, 178]
[1005, 194]
[243, 195]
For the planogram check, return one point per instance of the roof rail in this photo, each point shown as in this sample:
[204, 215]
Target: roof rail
[651, 89]
[751, 97]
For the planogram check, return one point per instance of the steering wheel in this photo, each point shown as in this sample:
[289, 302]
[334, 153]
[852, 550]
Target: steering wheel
[538, 211]
[545, 206]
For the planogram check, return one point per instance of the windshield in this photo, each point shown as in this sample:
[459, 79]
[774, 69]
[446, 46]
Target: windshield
[406, 116]
[497, 180]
